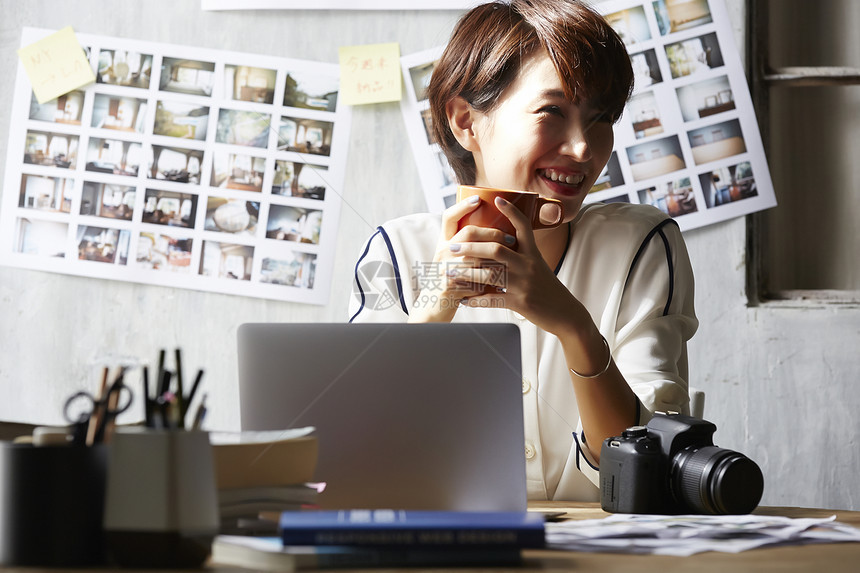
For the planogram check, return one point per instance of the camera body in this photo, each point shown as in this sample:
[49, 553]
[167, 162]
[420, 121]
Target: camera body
[671, 466]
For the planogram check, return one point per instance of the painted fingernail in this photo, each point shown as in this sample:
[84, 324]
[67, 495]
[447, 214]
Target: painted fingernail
[501, 202]
[454, 247]
[474, 199]
[510, 239]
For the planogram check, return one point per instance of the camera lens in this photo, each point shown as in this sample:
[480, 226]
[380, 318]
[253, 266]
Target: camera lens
[716, 480]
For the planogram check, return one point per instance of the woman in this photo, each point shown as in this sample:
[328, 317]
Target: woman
[524, 97]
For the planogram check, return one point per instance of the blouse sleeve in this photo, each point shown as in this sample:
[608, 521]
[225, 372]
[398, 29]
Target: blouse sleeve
[655, 320]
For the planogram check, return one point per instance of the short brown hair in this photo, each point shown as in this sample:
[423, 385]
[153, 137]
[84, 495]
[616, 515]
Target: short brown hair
[489, 43]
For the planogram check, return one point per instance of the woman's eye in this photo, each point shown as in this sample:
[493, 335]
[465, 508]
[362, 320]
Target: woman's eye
[551, 109]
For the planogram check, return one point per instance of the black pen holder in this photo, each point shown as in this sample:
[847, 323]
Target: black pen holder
[51, 505]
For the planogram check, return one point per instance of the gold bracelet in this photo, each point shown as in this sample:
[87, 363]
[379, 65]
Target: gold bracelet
[605, 368]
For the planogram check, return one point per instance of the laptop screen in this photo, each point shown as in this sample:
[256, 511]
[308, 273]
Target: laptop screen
[408, 416]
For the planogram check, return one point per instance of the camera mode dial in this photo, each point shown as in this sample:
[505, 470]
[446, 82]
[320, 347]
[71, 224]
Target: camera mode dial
[635, 432]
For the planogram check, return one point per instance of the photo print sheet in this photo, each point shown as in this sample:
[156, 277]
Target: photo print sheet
[338, 4]
[201, 169]
[688, 142]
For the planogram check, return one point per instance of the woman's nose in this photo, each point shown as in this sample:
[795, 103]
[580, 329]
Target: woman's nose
[577, 144]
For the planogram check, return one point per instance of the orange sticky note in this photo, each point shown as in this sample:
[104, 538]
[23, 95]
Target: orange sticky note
[369, 74]
[56, 65]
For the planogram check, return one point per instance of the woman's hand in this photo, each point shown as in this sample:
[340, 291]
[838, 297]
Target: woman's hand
[443, 287]
[525, 282]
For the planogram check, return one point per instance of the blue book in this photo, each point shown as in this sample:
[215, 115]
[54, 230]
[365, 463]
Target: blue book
[393, 528]
[270, 554]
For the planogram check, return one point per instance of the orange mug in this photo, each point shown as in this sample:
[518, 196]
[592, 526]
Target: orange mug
[487, 215]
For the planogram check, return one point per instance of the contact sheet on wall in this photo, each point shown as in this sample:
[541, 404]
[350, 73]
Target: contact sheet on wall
[688, 141]
[180, 166]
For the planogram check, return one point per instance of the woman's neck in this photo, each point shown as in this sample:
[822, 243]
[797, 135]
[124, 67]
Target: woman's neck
[552, 243]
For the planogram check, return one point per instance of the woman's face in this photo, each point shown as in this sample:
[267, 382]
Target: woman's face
[537, 140]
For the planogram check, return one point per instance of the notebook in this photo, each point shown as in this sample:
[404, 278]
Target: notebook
[408, 416]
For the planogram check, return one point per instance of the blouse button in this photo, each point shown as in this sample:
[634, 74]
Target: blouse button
[530, 451]
[526, 386]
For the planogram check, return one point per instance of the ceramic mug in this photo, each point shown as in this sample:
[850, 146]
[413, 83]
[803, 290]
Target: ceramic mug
[487, 215]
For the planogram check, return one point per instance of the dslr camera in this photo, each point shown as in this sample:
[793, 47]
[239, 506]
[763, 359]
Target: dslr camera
[671, 466]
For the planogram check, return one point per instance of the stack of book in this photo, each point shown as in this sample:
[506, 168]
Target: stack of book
[386, 538]
[263, 473]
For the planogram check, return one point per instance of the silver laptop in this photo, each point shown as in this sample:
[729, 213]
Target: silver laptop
[408, 416]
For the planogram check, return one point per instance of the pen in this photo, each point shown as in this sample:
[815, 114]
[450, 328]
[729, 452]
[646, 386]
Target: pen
[162, 404]
[180, 404]
[193, 391]
[161, 354]
[200, 414]
[147, 404]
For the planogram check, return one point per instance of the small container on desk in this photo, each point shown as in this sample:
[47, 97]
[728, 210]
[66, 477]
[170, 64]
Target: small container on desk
[51, 504]
[161, 508]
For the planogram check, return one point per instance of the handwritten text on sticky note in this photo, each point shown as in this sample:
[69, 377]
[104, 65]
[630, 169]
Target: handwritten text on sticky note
[369, 74]
[56, 65]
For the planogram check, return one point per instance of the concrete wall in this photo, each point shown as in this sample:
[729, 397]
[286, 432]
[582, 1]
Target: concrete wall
[780, 381]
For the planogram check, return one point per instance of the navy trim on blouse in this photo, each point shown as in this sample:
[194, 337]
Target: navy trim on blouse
[658, 230]
[564, 254]
[355, 273]
[396, 269]
[379, 231]
[579, 452]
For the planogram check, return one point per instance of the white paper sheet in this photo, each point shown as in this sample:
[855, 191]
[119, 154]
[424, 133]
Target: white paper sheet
[181, 166]
[688, 141]
[683, 535]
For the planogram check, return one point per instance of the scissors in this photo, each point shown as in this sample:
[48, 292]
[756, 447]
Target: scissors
[90, 415]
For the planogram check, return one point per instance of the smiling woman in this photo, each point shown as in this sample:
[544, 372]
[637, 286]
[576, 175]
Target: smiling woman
[524, 98]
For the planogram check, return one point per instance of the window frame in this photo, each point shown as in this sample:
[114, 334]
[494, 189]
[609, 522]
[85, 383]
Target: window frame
[762, 77]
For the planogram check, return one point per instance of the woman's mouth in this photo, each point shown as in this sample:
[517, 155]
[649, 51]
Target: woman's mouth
[561, 181]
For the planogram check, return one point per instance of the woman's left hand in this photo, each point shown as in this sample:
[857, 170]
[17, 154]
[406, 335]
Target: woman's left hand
[528, 286]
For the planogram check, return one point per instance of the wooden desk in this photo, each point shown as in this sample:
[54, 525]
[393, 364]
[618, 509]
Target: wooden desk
[823, 558]
[820, 558]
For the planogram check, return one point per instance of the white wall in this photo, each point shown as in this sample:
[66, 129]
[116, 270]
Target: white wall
[780, 382]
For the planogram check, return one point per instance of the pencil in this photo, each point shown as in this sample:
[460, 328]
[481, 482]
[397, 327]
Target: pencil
[98, 412]
[112, 403]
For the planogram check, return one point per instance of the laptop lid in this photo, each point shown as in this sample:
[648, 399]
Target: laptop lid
[408, 416]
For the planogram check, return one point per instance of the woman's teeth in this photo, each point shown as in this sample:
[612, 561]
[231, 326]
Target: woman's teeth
[561, 178]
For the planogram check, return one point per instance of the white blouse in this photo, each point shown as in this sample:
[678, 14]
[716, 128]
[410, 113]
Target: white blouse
[627, 264]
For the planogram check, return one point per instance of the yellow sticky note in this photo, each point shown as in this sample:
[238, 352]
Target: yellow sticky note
[56, 65]
[369, 74]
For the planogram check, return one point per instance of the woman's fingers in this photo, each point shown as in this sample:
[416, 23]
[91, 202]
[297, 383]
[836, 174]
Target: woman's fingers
[474, 234]
[473, 277]
[522, 224]
[452, 215]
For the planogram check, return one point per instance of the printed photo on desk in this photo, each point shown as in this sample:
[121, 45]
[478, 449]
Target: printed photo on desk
[180, 166]
[688, 142]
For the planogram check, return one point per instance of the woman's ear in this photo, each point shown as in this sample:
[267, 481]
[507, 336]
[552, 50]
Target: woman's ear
[461, 118]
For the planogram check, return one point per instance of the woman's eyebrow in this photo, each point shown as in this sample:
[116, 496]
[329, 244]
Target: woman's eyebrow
[552, 93]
